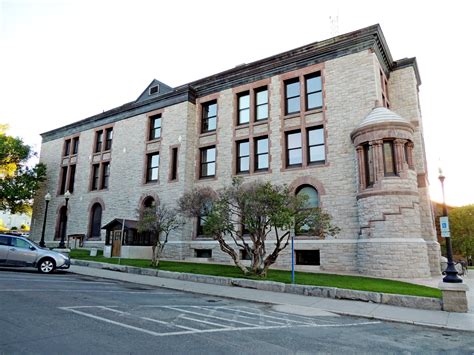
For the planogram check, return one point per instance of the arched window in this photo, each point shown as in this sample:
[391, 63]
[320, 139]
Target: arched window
[95, 221]
[61, 225]
[311, 193]
[148, 202]
[304, 226]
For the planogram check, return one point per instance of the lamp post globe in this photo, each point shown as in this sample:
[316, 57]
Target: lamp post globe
[67, 195]
[451, 272]
[47, 198]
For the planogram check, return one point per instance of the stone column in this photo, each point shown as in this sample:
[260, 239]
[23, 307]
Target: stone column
[377, 151]
[361, 165]
[410, 147]
[399, 148]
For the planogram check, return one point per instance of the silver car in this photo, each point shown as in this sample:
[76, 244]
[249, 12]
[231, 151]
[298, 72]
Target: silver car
[20, 251]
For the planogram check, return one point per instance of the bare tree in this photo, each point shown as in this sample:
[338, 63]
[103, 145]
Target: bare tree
[248, 213]
[159, 221]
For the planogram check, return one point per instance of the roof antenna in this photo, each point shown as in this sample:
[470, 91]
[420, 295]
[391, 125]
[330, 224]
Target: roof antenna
[334, 24]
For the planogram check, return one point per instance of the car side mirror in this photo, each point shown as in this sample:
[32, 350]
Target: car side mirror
[32, 247]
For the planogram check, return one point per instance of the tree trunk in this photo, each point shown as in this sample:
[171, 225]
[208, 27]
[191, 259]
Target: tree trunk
[226, 248]
[153, 254]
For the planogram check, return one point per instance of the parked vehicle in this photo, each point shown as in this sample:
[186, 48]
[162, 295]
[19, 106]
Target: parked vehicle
[19, 251]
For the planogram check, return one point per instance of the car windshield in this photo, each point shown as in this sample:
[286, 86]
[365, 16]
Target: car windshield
[34, 243]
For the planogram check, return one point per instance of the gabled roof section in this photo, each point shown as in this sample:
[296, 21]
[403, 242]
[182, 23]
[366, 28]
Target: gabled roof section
[129, 223]
[154, 89]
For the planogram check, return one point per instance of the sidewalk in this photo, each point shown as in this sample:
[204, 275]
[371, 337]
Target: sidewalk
[441, 319]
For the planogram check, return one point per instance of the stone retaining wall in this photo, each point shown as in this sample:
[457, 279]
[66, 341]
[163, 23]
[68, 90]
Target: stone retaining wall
[318, 291]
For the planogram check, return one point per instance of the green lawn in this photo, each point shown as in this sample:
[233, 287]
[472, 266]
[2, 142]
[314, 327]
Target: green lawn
[303, 278]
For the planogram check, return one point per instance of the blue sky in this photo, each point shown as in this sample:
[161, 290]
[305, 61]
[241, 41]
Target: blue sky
[62, 61]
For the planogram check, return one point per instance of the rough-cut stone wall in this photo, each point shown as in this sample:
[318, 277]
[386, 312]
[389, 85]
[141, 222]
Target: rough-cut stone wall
[351, 86]
[404, 99]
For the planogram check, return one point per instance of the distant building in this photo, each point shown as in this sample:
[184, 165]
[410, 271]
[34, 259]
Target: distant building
[14, 220]
[338, 120]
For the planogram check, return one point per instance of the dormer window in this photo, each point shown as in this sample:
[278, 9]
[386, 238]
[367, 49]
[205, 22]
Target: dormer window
[154, 90]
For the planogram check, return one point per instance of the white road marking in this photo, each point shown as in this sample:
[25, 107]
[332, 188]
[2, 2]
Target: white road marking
[205, 322]
[263, 315]
[110, 321]
[248, 317]
[112, 310]
[189, 330]
[207, 315]
[168, 324]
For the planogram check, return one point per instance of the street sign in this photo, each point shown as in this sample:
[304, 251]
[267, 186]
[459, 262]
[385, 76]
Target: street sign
[444, 225]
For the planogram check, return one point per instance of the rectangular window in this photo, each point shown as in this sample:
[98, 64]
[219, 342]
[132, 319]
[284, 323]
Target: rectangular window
[67, 147]
[307, 257]
[244, 108]
[292, 96]
[208, 162]
[105, 175]
[99, 137]
[75, 145]
[388, 159]
[369, 166]
[243, 157]
[203, 253]
[261, 153]
[108, 138]
[155, 127]
[174, 164]
[261, 104]
[153, 163]
[314, 91]
[316, 150]
[294, 153]
[209, 117]
[95, 177]
[72, 178]
[62, 188]
[244, 255]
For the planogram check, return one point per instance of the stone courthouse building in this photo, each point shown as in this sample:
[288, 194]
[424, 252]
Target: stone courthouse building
[338, 120]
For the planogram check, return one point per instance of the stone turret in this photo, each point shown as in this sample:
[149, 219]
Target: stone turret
[390, 242]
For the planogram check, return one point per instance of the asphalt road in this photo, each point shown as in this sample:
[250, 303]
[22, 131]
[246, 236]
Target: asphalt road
[64, 313]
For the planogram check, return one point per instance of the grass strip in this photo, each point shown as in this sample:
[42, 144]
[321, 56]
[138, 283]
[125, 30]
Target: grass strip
[360, 283]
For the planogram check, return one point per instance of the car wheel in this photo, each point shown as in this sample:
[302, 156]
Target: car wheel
[46, 266]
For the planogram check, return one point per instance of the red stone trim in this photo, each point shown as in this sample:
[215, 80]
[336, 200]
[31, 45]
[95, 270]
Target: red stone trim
[308, 180]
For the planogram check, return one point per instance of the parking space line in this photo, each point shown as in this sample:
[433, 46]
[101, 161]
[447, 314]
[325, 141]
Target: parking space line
[190, 330]
[326, 320]
[168, 324]
[205, 322]
[207, 315]
[110, 321]
[112, 310]
[252, 318]
[263, 315]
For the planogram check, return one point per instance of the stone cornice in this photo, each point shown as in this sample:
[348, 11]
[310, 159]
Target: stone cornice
[369, 38]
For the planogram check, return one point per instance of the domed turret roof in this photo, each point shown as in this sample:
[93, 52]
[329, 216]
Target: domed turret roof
[381, 115]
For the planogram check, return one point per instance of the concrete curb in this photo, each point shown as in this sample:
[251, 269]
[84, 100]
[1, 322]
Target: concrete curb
[427, 303]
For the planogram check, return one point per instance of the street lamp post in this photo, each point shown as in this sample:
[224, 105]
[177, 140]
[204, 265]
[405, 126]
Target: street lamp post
[47, 198]
[63, 232]
[451, 273]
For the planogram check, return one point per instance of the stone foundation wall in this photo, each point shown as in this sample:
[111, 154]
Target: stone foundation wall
[393, 258]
